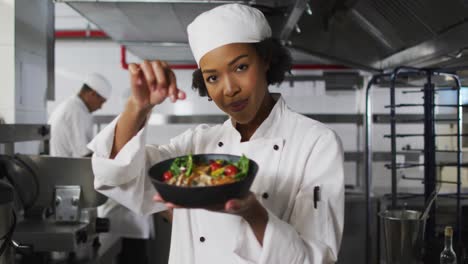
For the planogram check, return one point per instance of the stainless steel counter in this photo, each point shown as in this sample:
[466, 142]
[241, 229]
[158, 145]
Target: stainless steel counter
[109, 247]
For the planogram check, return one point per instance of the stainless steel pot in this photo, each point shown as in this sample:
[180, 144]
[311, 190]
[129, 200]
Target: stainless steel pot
[404, 236]
[6, 223]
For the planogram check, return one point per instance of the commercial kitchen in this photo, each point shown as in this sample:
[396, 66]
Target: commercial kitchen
[387, 77]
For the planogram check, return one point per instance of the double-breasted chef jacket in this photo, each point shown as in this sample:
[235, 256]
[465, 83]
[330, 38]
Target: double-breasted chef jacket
[296, 156]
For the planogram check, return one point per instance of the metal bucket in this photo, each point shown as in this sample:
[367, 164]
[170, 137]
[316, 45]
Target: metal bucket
[404, 236]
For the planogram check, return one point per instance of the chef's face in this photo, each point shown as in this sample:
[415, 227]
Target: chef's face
[235, 78]
[95, 101]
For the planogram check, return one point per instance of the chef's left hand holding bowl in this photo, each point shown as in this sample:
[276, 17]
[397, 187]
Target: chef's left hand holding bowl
[247, 207]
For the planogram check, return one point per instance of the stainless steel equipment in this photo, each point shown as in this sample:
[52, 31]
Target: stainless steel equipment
[6, 222]
[404, 236]
[11, 133]
[60, 208]
[64, 214]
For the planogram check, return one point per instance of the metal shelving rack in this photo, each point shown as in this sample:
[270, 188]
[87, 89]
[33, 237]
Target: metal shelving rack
[430, 164]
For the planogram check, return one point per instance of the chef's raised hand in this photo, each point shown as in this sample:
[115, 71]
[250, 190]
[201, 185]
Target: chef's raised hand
[152, 82]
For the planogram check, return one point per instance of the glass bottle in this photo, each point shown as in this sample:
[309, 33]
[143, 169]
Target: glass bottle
[448, 256]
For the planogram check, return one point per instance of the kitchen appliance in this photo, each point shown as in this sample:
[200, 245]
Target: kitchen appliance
[57, 210]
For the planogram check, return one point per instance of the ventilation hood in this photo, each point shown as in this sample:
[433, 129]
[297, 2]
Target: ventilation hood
[371, 35]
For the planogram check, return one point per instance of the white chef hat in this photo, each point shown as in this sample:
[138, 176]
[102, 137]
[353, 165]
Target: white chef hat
[226, 24]
[100, 84]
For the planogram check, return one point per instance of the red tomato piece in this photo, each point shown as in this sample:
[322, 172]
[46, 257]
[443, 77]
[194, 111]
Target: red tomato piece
[167, 175]
[230, 170]
[214, 166]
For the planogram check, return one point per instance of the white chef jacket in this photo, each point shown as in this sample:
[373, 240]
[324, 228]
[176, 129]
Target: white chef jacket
[71, 126]
[295, 154]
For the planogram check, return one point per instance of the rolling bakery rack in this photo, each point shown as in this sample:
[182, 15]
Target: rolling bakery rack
[429, 151]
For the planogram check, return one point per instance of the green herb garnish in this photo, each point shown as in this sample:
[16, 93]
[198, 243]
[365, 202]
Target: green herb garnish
[182, 162]
[243, 166]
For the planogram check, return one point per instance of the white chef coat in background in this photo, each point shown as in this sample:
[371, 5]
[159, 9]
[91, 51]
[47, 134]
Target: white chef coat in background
[71, 126]
[295, 154]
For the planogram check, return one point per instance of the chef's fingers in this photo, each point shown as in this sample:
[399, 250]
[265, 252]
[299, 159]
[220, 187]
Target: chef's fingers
[233, 206]
[172, 206]
[136, 75]
[158, 198]
[138, 85]
[173, 91]
[240, 205]
[150, 77]
[172, 82]
[181, 95]
[176, 92]
[161, 76]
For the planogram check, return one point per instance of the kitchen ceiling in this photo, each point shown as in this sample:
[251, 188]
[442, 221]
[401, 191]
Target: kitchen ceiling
[367, 34]
[156, 29]
[383, 34]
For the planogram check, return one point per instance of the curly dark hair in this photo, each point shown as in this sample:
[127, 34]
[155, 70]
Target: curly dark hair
[269, 49]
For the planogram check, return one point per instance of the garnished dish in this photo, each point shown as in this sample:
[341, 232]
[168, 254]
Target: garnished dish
[185, 172]
[203, 179]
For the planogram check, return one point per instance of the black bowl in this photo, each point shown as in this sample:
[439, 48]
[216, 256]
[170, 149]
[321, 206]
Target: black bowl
[206, 195]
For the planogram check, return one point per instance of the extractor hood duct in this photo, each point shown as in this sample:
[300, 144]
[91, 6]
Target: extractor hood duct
[368, 34]
[156, 21]
[383, 34]
[157, 29]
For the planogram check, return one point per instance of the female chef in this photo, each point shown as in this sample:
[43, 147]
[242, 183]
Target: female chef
[294, 213]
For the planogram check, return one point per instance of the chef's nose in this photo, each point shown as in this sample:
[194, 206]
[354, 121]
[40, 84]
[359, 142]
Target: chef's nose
[231, 87]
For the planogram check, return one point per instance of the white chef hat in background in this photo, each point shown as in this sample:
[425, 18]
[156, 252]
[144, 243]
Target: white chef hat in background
[100, 84]
[226, 24]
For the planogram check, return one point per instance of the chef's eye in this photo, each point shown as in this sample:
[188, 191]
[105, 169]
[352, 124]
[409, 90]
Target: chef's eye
[242, 67]
[211, 79]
